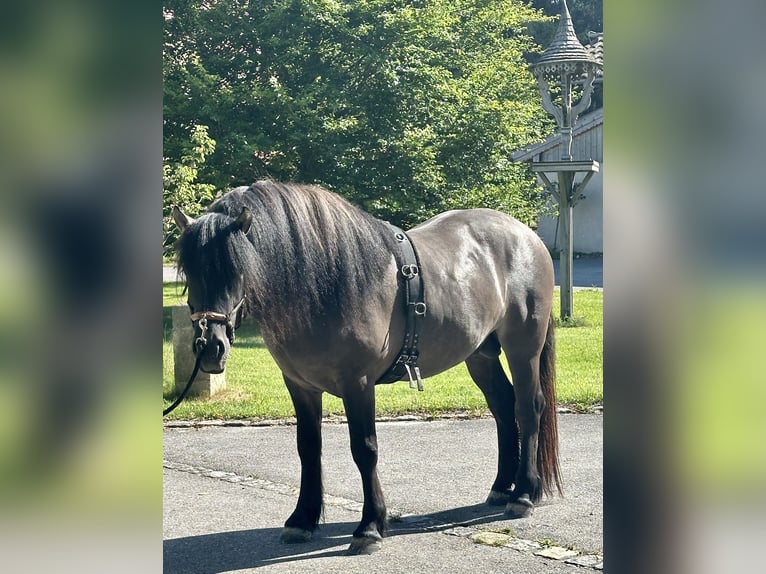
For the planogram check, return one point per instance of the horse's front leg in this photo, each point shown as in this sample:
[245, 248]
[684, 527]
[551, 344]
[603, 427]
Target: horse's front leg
[360, 412]
[308, 411]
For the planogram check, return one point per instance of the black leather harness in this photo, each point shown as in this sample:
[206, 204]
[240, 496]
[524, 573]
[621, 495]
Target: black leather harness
[406, 361]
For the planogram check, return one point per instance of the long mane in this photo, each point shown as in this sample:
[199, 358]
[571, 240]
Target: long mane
[309, 254]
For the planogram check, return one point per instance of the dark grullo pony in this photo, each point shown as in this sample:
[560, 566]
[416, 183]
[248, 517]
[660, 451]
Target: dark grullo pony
[321, 278]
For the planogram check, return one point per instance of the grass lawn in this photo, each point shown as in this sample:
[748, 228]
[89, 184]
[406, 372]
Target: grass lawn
[255, 389]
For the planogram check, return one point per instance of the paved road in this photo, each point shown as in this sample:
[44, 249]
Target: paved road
[227, 492]
[586, 272]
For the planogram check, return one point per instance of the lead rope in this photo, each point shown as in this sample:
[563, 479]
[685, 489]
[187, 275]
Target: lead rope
[186, 388]
[200, 342]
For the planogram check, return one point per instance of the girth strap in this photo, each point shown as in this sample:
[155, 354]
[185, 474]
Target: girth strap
[406, 361]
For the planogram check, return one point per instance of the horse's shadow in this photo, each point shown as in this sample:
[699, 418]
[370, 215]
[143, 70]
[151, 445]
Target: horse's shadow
[243, 549]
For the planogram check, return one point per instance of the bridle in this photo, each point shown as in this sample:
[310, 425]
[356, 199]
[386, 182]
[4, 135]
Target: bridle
[200, 342]
[204, 317]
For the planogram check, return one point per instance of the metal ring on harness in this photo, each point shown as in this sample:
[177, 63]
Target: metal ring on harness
[201, 341]
[410, 270]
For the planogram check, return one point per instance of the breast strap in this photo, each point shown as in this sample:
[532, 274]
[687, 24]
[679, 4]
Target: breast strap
[406, 361]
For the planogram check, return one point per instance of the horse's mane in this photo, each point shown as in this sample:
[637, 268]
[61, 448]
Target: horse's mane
[309, 253]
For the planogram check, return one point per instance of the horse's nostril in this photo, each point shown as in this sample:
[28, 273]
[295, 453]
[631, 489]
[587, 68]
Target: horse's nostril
[221, 348]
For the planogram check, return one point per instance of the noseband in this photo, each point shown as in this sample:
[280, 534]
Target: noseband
[204, 317]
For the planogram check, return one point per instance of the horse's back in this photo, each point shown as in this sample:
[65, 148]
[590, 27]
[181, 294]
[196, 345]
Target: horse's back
[483, 272]
[484, 241]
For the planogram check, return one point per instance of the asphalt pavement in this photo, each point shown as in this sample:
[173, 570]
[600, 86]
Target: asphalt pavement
[587, 271]
[228, 490]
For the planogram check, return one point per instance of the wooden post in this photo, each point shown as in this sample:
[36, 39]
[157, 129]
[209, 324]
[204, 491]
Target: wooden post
[566, 62]
[566, 258]
[566, 171]
[205, 384]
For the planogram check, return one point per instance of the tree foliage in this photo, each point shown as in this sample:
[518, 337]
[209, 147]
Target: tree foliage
[587, 16]
[407, 108]
[180, 185]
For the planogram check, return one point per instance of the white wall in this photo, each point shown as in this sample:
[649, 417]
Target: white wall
[588, 229]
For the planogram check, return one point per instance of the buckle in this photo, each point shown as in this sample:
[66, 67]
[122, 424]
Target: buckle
[416, 378]
[410, 270]
[405, 359]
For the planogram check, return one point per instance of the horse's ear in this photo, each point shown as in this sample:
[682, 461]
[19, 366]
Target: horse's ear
[244, 221]
[182, 220]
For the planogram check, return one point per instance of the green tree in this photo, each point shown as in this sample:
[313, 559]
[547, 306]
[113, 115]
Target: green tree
[181, 185]
[407, 108]
[587, 16]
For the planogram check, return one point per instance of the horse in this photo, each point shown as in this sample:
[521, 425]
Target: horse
[322, 279]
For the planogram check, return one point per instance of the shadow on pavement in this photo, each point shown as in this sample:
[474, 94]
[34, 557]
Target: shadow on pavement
[242, 549]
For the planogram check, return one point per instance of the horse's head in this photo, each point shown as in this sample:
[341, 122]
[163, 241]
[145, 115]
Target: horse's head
[215, 290]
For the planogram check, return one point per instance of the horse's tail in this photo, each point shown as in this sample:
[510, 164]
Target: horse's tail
[548, 437]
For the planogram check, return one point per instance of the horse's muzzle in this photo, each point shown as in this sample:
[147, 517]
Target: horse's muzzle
[213, 363]
[213, 351]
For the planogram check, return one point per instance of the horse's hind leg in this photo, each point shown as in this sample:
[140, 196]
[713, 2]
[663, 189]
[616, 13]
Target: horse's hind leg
[531, 358]
[529, 407]
[487, 372]
[308, 411]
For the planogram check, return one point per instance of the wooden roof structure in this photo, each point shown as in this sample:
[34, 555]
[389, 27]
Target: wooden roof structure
[586, 123]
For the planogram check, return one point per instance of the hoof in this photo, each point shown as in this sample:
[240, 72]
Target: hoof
[520, 508]
[292, 535]
[364, 545]
[497, 498]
